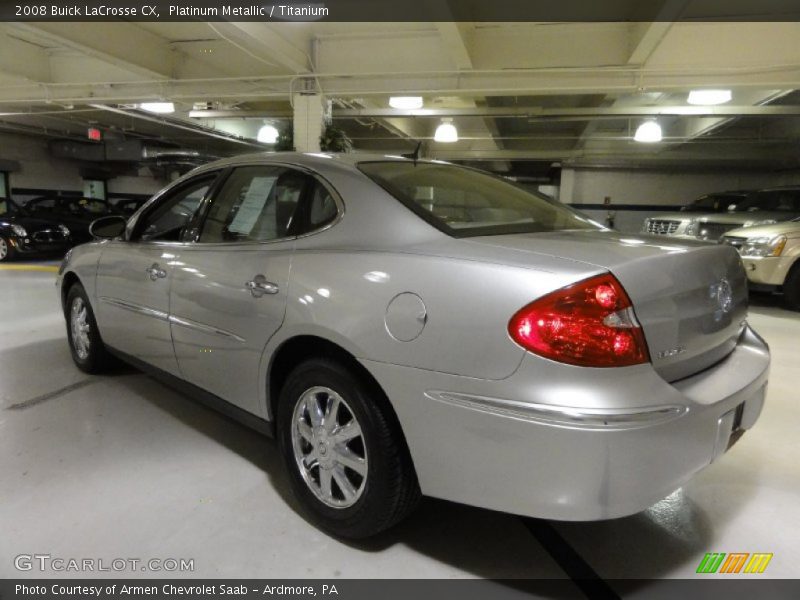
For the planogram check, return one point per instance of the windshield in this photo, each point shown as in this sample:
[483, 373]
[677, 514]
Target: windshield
[464, 202]
[772, 200]
[713, 203]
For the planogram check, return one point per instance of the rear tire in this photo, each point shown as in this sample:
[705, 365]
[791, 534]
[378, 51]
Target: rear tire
[327, 414]
[7, 251]
[85, 344]
[791, 288]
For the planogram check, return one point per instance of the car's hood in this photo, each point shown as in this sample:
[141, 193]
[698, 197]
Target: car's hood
[30, 224]
[789, 229]
[677, 216]
[736, 218]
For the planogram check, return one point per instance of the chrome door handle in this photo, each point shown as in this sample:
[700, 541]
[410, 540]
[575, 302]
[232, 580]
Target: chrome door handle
[259, 286]
[155, 272]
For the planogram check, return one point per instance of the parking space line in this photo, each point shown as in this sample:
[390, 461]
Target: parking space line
[50, 395]
[48, 268]
[590, 583]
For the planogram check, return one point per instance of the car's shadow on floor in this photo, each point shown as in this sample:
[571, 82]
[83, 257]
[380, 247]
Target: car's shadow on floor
[674, 533]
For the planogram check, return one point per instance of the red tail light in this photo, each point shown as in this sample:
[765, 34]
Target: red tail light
[590, 323]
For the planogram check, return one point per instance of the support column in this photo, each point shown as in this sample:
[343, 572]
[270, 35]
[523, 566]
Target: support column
[309, 114]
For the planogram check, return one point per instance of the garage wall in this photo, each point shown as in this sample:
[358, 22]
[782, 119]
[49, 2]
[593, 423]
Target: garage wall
[637, 194]
[40, 171]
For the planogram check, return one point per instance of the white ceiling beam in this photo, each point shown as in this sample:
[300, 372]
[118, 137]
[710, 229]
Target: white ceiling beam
[264, 43]
[453, 38]
[121, 44]
[646, 37]
[465, 84]
[23, 59]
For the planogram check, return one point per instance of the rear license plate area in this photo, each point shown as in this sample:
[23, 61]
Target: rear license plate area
[736, 429]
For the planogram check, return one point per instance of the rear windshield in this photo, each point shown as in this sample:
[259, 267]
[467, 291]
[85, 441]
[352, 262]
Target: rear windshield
[772, 200]
[464, 202]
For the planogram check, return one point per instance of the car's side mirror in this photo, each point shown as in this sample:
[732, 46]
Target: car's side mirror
[108, 228]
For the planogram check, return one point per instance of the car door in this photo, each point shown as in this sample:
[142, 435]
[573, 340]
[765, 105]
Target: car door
[229, 293]
[134, 275]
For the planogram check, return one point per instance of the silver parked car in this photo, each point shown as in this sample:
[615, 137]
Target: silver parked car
[763, 207]
[414, 327]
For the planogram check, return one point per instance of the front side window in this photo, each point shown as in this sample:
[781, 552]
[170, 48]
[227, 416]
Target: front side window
[464, 202]
[256, 204]
[169, 220]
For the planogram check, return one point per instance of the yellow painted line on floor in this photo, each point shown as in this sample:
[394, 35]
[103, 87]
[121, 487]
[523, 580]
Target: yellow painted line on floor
[50, 268]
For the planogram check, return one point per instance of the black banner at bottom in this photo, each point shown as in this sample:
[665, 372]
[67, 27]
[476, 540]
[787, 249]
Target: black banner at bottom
[395, 589]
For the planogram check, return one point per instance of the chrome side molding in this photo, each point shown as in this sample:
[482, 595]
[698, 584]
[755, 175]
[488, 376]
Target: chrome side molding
[564, 416]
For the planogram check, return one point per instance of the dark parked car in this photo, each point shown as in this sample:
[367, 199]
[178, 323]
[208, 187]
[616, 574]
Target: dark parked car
[76, 213]
[21, 234]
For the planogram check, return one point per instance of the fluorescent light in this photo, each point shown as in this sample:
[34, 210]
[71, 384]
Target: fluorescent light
[406, 102]
[446, 132]
[158, 107]
[267, 135]
[648, 132]
[709, 97]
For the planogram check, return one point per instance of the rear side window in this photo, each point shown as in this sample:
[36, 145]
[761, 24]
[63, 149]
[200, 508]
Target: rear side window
[256, 204]
[45, 205]
[772, 200]
[464, 202]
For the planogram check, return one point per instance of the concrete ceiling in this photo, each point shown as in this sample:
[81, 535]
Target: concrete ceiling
[548, 92]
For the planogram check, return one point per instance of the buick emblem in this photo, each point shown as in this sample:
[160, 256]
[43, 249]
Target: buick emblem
[724, 296]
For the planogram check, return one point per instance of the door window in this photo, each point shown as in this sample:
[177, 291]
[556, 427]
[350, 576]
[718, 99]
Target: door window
[42, 205]
[256, 204]
[169, 220]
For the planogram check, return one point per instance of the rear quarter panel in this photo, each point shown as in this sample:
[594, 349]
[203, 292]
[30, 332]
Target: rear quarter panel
[343, 296]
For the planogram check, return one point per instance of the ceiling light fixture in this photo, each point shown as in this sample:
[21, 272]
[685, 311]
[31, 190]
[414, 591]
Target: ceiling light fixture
[709, 97]
[648, 132]
[406, 102]
[446, 132]
[158, 107]
[268, 135]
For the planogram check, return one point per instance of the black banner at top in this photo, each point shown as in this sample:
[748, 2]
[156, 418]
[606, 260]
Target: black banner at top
[400, 10]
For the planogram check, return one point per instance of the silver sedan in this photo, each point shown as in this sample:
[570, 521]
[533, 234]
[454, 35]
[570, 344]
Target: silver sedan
[413, 327]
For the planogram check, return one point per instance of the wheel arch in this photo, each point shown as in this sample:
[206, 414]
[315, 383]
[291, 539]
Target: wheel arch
[69, 279]
[299, 348]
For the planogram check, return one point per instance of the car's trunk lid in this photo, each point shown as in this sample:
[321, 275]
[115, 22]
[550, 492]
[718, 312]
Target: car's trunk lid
[690, 298]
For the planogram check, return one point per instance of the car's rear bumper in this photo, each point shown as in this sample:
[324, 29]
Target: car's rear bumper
[537, 443]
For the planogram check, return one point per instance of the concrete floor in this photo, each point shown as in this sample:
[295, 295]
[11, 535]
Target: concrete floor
[122, 467]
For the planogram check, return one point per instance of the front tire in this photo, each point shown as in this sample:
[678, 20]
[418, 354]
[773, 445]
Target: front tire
[7, 251]
[347, 460]
[791, 288]
[85, 344]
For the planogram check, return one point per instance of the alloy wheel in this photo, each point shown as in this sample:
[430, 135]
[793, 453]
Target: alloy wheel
[329, 447]
[79, 325]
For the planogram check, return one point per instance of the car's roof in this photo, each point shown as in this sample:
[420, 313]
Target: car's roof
[310, 159]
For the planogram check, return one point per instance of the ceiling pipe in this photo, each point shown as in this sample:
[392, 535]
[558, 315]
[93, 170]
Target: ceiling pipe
[172, 123]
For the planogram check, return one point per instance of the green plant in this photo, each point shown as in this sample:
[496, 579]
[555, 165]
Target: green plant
[334, 139]
[285, 141]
